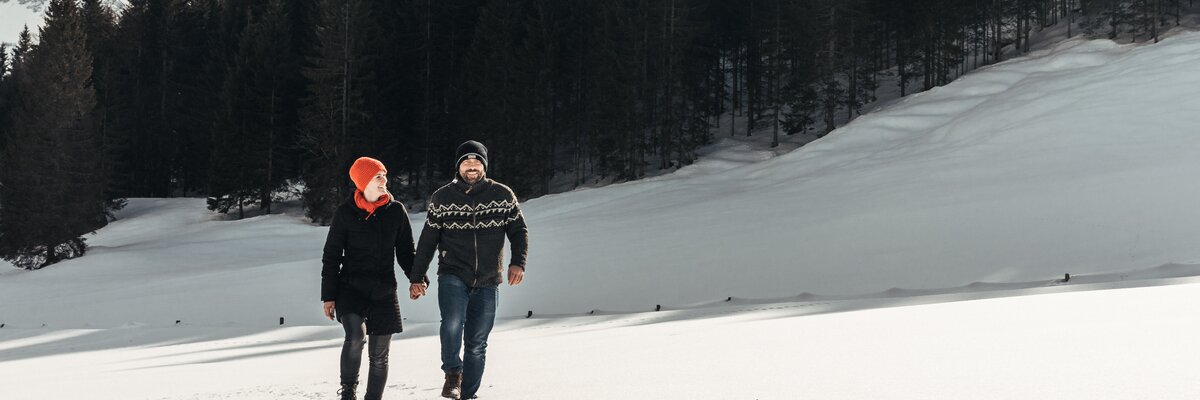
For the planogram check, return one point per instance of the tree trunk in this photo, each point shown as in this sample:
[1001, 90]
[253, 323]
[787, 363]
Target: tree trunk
[265, 192]
[776, 75]
[425, 118]
[734, 96]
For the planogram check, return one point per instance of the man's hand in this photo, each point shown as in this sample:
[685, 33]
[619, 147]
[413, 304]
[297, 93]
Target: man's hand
[416, 290]
[329, 307]
[516, 274]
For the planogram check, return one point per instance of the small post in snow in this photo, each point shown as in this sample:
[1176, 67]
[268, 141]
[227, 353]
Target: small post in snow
[529, 314]
[280, 320]
[657, 307]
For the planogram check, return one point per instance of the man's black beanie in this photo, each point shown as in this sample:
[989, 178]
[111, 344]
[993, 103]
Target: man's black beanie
[466, 150]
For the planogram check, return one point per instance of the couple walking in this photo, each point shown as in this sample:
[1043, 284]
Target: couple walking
[467, 222]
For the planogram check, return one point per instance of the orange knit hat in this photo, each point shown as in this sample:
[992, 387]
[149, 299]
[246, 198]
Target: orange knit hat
[363, 170]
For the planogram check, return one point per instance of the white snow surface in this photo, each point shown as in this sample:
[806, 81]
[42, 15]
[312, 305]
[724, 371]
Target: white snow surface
[915, 253]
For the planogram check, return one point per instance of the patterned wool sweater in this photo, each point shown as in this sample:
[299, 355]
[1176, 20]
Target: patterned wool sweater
[467, 225]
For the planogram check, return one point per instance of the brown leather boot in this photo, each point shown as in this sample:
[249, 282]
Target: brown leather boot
[453, 385]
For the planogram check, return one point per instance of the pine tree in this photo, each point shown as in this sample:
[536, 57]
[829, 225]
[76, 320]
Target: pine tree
[857, 70]
[99, 23]
[10, 94]
[1148, 17]
[54, 180]
[232, 164]
[799, 92]
[194, 68]
[6, 94]
[496, 100]
[334, 113]
[516, 55]
[681, 26]
[397, 99]
[252, 128]
[1110, 16]
[830, 58]
[613, 85]
[24, 45]
[447, 28]
[163, 97]
[140, 131]
[753, 61]
[574, 119]
[540, 78]
[9, 71]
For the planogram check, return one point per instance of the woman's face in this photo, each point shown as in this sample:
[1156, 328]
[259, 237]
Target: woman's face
[377, 187]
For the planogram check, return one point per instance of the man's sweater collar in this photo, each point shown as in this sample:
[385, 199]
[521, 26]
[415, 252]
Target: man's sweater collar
[470, 190]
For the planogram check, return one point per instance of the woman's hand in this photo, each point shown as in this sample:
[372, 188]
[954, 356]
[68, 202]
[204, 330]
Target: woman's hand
[416, 290]
[329, 307]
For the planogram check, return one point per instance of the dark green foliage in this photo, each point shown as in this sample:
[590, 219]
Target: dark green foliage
[249, 160]
[53, 171]
[336, 120]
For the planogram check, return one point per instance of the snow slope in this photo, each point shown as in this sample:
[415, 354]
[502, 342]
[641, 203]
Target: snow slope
[1074, 160]
[914, 253]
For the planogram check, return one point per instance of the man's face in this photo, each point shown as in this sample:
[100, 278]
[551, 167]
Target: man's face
[471, 170]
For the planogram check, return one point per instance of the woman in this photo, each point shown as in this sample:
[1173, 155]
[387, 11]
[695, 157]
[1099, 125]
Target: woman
[358, 278]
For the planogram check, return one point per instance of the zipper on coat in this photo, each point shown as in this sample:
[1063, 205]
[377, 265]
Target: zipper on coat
[475, 234]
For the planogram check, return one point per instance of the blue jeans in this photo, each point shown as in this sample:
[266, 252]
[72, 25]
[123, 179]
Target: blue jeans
[468, 315]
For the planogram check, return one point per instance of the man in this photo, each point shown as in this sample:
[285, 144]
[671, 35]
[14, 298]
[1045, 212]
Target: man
[467, 222]
[358, 278]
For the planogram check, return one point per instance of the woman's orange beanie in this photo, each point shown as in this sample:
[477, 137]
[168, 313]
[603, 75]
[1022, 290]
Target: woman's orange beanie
[363, 170]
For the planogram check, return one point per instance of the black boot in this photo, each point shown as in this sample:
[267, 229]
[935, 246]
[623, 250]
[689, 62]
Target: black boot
[453, 385]
[347, 391]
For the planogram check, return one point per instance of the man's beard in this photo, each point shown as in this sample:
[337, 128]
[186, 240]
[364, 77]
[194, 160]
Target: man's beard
[478, 177]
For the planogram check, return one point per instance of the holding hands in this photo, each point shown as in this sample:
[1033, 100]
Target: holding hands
[516, 274]
[416, 290]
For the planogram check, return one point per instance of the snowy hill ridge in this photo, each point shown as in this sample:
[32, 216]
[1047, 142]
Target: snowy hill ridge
[970, 201]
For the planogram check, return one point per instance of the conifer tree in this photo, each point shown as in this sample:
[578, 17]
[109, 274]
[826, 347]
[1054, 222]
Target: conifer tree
[53, 178]
[7, 97]
[252, 129]
[334, 112]
[100, 25]
[139, 130]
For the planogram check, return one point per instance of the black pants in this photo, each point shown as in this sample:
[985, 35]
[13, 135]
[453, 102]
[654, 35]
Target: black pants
[377, 353]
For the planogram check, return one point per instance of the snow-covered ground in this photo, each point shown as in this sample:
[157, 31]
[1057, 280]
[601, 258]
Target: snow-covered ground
[914, 254]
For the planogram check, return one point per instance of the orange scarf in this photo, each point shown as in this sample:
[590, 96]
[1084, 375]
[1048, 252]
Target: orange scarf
[369, 207]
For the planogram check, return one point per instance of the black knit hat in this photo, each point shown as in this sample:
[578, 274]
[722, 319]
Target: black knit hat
[470, 149]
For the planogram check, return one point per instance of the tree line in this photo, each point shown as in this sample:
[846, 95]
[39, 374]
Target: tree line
[246, 102]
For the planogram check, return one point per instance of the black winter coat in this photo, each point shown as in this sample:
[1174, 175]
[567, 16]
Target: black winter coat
[358, 268]
[467, 224]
